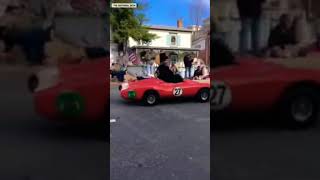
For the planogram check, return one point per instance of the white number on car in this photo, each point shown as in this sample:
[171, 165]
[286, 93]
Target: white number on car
[220, 95]
[177, 91]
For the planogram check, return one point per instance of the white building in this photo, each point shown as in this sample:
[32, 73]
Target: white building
[174, 41]
[175, 37]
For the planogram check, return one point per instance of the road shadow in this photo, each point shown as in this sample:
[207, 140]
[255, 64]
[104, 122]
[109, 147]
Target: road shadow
[258, 121]
[163, 102]
[77, 132]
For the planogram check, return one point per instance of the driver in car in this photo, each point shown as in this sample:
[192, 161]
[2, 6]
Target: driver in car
[164, 72]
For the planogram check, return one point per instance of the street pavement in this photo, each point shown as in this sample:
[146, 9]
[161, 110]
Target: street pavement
[170, 141]
[261, 147]
[35, 149]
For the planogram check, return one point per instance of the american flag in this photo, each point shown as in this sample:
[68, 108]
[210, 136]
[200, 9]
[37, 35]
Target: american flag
[133, 58]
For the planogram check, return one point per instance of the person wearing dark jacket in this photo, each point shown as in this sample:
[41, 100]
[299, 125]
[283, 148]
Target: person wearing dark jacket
[250, 14]
[164, 73]
[221, 54]
[188, 65]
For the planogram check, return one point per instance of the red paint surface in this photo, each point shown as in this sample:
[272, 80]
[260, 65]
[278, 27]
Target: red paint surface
[89, 79]
[190, 88]
[257, 84]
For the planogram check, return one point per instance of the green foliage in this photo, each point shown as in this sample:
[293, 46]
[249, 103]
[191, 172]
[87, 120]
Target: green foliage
[127, 23]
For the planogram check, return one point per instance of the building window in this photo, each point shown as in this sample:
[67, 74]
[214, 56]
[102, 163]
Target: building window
[173, 39]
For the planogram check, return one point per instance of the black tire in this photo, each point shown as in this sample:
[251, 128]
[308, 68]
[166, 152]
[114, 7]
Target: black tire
[150, 98]
[300, 107]
[203, 95]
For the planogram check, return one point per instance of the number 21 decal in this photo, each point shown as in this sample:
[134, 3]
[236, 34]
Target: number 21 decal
[220, 95]
[177, 91]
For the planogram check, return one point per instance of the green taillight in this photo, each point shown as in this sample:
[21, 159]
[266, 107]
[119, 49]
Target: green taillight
[70, 104]
[132, 94]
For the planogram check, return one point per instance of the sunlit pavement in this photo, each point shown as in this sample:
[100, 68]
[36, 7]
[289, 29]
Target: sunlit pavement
[33, 148]
[169, 141]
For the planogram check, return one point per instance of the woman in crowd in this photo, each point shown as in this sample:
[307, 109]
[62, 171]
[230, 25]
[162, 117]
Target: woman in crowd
[202, 71]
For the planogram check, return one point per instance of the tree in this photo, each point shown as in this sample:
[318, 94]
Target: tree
[127, 23]
[197, 10]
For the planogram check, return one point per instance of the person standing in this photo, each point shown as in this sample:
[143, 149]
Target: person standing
[188, 65]
[250, 15]
[226, 19]
[149, 59]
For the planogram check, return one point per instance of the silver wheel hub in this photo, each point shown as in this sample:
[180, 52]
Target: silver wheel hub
[151, 99]
[302, 109]
[204, 96]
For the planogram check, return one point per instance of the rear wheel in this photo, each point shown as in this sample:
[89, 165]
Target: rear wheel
[150, 98]
[300, 106]
[203, 95]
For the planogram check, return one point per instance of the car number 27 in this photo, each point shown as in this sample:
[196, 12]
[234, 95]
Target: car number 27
[177, 91]
[220, 95]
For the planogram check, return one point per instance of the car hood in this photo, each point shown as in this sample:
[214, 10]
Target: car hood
[145, 82]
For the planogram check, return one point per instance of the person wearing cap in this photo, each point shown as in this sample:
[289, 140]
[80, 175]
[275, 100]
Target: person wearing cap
[164, 72]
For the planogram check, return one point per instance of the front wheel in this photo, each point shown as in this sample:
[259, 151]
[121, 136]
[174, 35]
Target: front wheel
[203, 95]
[150, 98]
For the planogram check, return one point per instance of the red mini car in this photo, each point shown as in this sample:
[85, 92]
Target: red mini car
[253, 84]
[151, 90]
[72, 93]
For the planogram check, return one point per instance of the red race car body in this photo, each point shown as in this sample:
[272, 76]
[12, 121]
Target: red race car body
[158, 89]
[72, 92]
[252, 84]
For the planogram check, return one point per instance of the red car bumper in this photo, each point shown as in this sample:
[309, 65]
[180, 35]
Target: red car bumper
[125, 95]
[45, 104]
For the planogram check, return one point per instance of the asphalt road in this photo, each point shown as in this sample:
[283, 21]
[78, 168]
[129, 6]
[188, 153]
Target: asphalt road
[33, 148]
[170, 141]
[261, 147]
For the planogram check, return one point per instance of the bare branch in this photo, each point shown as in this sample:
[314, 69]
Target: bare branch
[197, 9]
